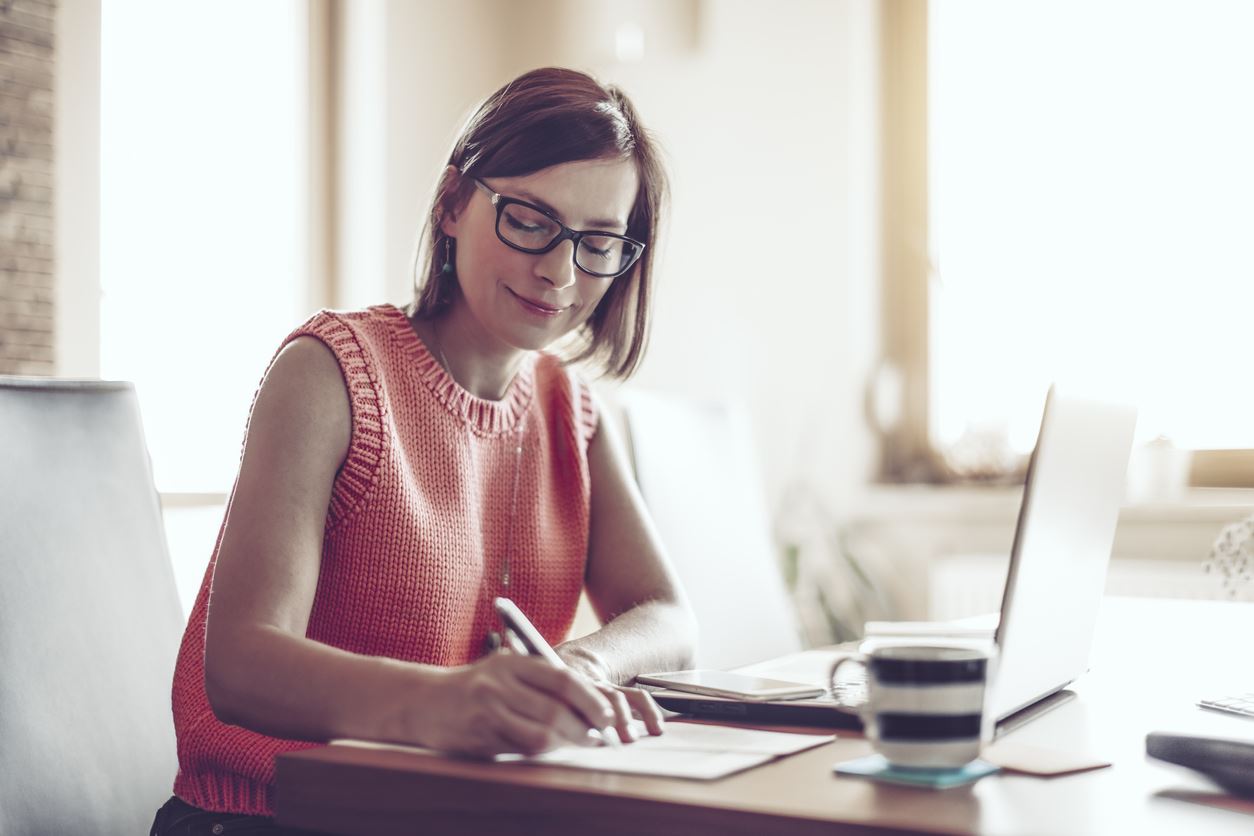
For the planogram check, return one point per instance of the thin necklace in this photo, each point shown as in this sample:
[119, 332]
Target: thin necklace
[493, 640]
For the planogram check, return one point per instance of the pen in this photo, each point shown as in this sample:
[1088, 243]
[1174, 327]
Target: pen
[525, 638]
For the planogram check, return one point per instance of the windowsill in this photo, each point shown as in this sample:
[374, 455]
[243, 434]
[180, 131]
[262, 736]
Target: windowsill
[912, 531]
[973, 503]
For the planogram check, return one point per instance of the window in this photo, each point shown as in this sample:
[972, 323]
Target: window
[202, 189]
[1088, 196]
[204, 244]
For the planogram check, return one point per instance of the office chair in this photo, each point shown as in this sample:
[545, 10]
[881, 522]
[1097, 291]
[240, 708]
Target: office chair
[695, 467]
[89, 617]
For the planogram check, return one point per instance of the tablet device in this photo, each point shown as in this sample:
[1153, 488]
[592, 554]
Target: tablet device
[735, 686]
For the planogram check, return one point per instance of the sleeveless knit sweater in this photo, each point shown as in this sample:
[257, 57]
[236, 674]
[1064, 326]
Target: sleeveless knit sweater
[416, 532]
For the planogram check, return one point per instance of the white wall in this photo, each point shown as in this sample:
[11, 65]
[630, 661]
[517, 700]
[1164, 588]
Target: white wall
[767, 283]
[410, 74]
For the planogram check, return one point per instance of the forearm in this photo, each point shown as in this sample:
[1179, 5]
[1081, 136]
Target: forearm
[288, 686]
[653, 636]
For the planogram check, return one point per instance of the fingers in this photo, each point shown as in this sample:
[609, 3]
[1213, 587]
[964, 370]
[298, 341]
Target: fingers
[636, 702]
[643, 704]
[530, 737]
[622, 712]
[575, 691]
[541, 708]
[531, 696]
[528, 706]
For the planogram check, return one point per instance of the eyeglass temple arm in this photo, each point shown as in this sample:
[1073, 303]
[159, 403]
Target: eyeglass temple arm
[486, 190]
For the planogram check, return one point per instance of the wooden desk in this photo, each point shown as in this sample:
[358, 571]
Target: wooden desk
[1152, 659]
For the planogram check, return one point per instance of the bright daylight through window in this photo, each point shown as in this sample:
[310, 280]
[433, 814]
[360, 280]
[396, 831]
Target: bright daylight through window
[1092, 201]
[203, 161]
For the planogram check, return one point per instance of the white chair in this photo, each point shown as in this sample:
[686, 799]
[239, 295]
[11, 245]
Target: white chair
[89, 617]
[695, 466]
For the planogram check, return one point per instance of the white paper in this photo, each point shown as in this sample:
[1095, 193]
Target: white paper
[710, 737]
[639, 760]
[686, 750]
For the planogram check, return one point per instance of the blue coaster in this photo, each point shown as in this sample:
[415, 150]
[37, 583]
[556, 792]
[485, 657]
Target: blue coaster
[878, 769]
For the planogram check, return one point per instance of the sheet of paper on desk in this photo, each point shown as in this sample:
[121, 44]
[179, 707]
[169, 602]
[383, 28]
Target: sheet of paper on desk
[714, 737]
[642, 760]
[687, 750]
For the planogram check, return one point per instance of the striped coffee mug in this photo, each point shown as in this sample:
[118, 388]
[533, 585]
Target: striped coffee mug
[925, 705]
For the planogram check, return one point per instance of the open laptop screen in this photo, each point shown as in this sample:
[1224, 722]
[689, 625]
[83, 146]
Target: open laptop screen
[1062, 545]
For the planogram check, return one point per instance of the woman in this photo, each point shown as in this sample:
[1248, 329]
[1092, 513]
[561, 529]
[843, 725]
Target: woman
[401, 469]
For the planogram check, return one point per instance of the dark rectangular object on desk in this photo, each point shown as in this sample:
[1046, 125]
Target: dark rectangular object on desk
[816, 712]
[822, 712]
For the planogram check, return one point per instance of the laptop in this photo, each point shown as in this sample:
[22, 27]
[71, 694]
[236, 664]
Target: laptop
[1054, 586]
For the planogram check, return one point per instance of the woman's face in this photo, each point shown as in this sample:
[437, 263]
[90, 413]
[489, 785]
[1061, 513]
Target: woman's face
[525, 300]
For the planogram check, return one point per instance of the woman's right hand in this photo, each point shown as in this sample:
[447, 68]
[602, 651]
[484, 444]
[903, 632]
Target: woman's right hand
[506, 702]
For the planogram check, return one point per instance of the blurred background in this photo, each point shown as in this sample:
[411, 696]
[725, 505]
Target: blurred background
[893, 225]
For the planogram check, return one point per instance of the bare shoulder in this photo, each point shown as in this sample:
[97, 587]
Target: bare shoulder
[306, 364]
[610, 422]
[304, 400]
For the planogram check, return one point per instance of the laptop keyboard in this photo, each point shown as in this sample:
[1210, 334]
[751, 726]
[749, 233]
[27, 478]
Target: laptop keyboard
[1242, 704]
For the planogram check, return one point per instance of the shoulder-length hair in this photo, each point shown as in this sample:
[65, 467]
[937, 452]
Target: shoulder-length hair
[540, 119]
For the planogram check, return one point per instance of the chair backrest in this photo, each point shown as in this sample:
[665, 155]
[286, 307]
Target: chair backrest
[89, 616]
[695, 467]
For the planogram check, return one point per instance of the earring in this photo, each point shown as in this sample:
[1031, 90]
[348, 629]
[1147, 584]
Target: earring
[447, 269]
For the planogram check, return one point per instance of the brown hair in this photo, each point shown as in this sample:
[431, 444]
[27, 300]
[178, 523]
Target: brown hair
[540, 119]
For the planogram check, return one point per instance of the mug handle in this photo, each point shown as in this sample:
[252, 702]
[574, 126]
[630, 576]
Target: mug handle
[856, 658]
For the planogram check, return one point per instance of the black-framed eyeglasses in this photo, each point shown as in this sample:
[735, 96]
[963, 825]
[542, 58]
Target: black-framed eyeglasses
[530, 229]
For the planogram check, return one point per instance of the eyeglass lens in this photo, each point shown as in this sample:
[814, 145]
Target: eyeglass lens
[601, 255]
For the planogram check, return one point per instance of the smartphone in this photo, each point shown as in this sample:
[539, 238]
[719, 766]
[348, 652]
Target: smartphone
[734, 686]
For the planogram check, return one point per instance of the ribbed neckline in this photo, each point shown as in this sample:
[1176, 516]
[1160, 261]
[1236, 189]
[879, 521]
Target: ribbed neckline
[483, 416]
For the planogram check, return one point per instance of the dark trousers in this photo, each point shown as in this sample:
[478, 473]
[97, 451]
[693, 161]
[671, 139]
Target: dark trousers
[178, 818]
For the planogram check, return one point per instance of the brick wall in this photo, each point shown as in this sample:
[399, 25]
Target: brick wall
[26, 219]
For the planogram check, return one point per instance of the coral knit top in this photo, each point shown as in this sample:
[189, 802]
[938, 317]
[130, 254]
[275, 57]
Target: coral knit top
[416, 532]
